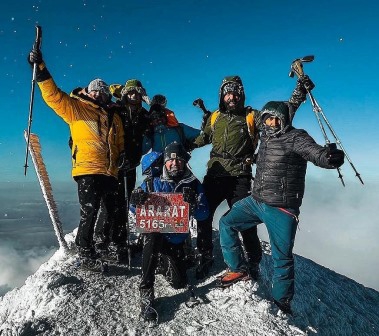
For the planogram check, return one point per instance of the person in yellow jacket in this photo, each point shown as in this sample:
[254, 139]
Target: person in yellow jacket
[97, 144]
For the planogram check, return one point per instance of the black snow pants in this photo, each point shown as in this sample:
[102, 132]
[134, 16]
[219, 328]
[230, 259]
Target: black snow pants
[156, 249]
[91, 190]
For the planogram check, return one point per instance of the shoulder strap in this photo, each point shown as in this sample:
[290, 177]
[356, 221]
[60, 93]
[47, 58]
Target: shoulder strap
[250, 122]
[214, 117]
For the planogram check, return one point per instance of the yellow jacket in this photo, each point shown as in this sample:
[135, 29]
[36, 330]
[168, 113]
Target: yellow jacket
[97, 138]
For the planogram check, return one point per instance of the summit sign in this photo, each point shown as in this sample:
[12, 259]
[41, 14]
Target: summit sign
[163, 212]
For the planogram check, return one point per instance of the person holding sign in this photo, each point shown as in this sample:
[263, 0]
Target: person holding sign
[163, 206]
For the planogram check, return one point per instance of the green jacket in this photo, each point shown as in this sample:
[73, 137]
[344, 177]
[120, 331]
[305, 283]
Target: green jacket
[231, 144]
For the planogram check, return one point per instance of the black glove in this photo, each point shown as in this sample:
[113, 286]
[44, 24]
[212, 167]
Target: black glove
[35, 56]
[189, 196]
[138, 197]
[335, 156]
[123, 162]
[306, 83]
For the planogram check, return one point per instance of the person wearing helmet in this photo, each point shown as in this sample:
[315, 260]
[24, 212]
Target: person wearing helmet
[129, 108]
[276, 198]
[233, 132]
[97, 143]
[176, 177]
[165, 128]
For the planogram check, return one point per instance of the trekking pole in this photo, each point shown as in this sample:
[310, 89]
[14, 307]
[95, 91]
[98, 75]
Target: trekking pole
[297, 68]
[127, 218]
[338, 141]
[36, 45]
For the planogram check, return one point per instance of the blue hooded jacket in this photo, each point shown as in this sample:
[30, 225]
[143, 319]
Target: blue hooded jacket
[163, 135]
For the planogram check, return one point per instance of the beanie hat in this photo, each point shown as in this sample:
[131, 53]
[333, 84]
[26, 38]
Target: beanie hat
[175, 150]
[98, 85]
[135, 85]
[231, 84]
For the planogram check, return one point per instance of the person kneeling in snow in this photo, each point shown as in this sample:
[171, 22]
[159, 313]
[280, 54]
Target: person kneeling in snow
[167, 248]
[276, 198]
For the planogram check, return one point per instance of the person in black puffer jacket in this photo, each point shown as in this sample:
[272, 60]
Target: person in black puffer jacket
[232, 130]
[276, 198]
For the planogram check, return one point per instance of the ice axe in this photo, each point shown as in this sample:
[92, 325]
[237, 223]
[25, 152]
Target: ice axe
[297, 65]
[297, 69]
[36, 45]
[200, 104]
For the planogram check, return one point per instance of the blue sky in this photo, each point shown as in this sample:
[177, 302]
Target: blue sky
[183, 49]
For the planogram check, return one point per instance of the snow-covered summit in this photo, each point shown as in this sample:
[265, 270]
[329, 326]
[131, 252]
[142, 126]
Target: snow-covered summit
[61, 299]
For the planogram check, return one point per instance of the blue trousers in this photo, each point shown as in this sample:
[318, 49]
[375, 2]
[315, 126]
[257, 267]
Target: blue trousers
[281, 225]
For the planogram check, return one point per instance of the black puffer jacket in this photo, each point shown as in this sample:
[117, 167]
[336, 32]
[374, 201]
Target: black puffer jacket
[282, 164]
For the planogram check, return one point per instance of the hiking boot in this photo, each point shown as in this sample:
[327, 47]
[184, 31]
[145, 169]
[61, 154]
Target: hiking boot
[252, 262]
[284, 306]
[92, 265]
[229, 278]
[148, 312]
[117, 255]
[89, 260]
[204, 264]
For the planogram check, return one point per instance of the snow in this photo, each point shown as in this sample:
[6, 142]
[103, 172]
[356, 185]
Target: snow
[61, 299]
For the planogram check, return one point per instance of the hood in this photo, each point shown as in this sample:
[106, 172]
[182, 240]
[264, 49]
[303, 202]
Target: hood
[231, 80]
[152, 164]
[279, 109]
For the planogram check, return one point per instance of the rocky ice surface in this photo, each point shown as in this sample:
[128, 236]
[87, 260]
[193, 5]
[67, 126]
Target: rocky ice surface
[62, 299]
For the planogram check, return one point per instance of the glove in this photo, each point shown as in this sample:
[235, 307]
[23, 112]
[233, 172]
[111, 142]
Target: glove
[123, 162]
[35, 56]
[189, 195]
[335, 156]
[138, 197]
[306, 83]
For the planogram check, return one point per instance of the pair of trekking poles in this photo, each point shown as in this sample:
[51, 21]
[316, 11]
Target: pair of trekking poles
[297, 68]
